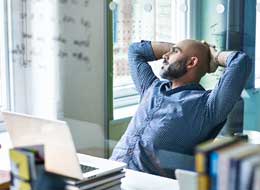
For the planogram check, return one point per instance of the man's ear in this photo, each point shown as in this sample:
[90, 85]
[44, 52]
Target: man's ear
[192, 62]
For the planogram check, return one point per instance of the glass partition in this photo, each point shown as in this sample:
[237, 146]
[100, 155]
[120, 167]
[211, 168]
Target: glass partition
[56, 57]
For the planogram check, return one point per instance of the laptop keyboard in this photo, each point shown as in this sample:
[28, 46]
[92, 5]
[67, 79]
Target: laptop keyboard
[86, 169]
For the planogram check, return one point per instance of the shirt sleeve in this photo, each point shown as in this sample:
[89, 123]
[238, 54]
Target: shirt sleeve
[139, 54]
[229, 88]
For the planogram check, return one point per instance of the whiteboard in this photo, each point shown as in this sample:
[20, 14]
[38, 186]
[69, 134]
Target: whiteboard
[57, 56]
[58, 46]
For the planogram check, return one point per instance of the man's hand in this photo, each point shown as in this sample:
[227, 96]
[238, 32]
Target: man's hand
[218, 58]
[213, 64]
[160, 48]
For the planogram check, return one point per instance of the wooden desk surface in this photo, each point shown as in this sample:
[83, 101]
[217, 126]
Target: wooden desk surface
[4, 151]
[133, 181]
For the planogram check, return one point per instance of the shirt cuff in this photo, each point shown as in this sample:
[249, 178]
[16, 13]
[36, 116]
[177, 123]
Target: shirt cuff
[232, 56]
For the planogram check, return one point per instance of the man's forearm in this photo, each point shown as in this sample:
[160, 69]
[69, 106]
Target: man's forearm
[221, 57]
[160, 48]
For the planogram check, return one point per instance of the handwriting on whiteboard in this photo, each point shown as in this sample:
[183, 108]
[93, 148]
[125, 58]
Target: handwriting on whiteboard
[58, 28]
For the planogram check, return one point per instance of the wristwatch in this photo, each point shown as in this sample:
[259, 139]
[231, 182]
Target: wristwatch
[216, 57]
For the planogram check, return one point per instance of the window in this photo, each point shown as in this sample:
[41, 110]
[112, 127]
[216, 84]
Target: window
[257, 47]
[155, 20]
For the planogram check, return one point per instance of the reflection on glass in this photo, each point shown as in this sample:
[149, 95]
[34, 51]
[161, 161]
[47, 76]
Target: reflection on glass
[56, 55]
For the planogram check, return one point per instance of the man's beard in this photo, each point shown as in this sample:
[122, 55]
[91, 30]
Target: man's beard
[174, 70]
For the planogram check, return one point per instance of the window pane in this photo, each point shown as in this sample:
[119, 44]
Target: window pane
[157, 20]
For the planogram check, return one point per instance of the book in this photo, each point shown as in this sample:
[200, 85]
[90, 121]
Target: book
[74, 182]
[235, 165]
[97, 182]
[214, 163]
[98, 187]
[246, 170]
[27, 169]
[224, 176]
[108, 185]
[203, 151]
[204, 182]
[202, 159]
[19, 184]
[256, 178]
[20, 164]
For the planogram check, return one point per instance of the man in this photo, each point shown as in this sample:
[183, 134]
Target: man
[176, 115]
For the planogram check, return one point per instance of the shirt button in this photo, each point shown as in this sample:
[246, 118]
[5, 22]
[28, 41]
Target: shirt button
[130, 151]
[147, 119]
[141, 131]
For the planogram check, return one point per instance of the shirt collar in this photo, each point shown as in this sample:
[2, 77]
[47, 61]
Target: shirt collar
[166, 88]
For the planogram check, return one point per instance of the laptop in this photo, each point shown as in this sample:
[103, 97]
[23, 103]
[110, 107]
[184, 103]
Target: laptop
[59, 150]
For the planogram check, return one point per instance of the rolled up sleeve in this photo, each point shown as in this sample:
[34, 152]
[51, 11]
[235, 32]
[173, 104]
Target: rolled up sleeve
[229, 88]
[139, 54]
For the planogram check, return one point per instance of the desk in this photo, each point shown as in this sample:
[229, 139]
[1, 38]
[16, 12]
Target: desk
[4, 151]
[142, 181]
[133, 181]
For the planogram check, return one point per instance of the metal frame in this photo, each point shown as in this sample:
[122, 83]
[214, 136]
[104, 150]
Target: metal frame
[6, 68]
[108, 96]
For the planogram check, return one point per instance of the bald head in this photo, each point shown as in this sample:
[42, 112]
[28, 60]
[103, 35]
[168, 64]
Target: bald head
[193, 48]
[186, 62]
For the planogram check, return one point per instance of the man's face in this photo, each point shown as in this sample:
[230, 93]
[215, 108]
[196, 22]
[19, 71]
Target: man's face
[174, 64]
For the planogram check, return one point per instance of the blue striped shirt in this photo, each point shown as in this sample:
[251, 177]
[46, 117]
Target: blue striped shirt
[169, 123]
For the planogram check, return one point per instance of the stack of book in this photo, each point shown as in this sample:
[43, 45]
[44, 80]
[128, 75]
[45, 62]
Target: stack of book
[109, 181]
[27, 170]
[228, 164]
[24, 163]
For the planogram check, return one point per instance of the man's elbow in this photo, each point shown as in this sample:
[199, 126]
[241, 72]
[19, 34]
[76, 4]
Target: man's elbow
[133, 48]
[247, 62]
[243, 62]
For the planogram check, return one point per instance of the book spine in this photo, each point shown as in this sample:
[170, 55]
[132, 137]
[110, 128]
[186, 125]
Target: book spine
[234, 173]
[203, 182]
[201, 162]
[213, 170]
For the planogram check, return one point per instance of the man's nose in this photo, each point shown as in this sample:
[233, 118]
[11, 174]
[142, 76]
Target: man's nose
[166, 56]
